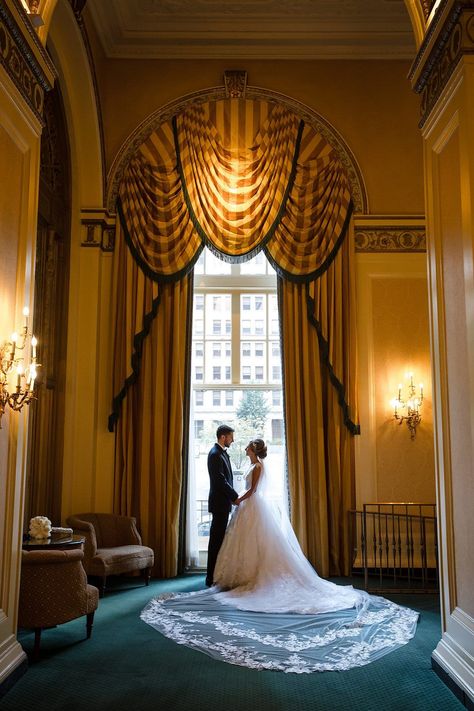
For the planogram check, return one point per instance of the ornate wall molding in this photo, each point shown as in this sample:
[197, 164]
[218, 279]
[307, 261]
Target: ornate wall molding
[450, 36]
[320, 124]
[389, 234]
[24, 58]
[98, 229]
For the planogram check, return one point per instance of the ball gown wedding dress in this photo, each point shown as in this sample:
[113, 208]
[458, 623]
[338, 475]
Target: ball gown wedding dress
[269, 609]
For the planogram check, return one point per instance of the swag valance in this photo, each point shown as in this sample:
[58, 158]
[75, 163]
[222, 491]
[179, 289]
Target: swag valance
[236, 176]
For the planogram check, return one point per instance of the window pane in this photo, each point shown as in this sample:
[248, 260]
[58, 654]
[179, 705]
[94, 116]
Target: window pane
[229, 397]
[214, 265]
[216, 372]
[256, 265]
[216, 397]
[199, 397]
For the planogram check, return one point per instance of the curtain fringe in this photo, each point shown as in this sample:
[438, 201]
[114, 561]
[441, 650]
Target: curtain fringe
[136, 362]
[353, 428]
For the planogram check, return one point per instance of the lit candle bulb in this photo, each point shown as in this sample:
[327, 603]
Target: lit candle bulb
[13, 338]
[34, 343]
[32, 377]
[411, 379]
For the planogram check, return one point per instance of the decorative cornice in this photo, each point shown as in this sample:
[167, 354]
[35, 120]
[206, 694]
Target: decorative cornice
[24, 58]
[98, 229]
[450, 36]
[374, 233]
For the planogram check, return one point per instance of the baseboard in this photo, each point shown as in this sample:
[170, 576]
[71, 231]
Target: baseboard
[13, 677]
[453, 658]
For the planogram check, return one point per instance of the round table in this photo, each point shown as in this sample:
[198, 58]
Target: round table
[55, 542]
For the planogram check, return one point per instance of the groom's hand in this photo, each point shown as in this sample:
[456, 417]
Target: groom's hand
[236, 501]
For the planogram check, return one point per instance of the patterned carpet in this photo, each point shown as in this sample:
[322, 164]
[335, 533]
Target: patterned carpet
[128, 666]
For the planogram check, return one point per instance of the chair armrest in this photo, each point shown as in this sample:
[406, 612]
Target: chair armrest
[86, 529]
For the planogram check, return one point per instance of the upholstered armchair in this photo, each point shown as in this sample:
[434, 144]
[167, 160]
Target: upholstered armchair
[54, 590]
[113, 546]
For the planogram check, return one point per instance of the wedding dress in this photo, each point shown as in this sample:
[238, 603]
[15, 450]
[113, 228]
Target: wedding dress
[310, 624]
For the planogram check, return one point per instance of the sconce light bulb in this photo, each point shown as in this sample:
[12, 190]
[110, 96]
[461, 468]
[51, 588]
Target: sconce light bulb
[14, 337]
[26, 311]
[19, 369]
[34, 341]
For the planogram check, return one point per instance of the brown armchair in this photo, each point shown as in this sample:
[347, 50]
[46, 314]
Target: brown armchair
[54, 590]
[113, 545]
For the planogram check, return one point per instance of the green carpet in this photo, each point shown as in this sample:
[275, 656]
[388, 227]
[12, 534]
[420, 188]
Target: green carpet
[128, 666]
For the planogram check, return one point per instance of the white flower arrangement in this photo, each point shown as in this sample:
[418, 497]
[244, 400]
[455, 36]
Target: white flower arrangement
[40, 527]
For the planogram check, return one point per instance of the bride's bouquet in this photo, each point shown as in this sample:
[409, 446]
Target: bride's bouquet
[40, 527]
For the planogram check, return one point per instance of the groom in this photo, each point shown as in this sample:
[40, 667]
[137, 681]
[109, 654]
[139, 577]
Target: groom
[221, 494]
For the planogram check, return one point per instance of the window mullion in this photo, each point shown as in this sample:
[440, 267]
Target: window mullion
[235, 338]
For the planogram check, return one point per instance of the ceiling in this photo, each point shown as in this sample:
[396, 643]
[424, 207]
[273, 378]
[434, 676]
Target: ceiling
[254, 29]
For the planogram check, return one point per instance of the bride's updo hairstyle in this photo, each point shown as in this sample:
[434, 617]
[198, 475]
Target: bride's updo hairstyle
[259, 447]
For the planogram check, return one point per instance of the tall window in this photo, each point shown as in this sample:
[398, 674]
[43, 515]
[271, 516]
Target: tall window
[236, 373]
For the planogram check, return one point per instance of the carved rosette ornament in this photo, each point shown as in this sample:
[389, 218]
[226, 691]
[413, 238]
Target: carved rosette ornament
[450, 36]
[390, 239]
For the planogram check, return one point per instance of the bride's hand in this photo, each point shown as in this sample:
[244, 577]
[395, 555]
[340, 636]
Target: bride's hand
[237, 501]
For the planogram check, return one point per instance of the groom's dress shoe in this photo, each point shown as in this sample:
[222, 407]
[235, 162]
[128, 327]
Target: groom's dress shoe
[208, 584]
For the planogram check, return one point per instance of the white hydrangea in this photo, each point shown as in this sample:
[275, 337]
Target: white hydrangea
[40, 527]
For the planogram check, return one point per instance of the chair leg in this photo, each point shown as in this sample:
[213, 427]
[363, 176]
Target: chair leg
[102, 586]
[36, 648]
[146, 573]
[90, 622]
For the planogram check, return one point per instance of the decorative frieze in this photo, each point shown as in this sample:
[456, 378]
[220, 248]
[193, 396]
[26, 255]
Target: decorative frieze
[24, 59]
[449, 37]
[98, 229]
[381, 234]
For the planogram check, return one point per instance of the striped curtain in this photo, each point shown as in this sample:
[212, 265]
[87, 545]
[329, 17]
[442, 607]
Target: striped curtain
[237, 176]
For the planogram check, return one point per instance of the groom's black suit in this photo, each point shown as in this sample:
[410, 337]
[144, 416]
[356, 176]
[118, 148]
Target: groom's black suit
[221, 496]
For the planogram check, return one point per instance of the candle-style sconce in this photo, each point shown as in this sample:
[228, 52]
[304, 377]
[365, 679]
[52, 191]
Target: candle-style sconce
[18, 355]
[408, 409]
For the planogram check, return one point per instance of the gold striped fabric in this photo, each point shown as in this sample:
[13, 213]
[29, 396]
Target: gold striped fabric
[236, 175]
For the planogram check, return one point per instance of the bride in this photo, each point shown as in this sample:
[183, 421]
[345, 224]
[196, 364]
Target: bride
[310, 624]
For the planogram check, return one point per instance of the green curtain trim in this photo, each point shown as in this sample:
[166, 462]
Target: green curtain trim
[136, 363]
[301, 278]
[353, 428]
[146, 269]
[197, 225]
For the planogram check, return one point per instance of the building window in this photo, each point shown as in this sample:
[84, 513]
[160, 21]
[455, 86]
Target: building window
[227, 373]
[198, 428]
[277, 430]
[199, 397]
[259, 350]
[259, 372]
[245, 303]
[216, 372]
[216, 398]
[216, 327]
[276, 398]
[246, 350]
[246, 372]
[199, 372]
[229, 398]
[199, 349]
[259, 329]
[216, 350]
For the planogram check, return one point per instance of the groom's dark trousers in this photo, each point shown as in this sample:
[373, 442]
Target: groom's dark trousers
[221, 496]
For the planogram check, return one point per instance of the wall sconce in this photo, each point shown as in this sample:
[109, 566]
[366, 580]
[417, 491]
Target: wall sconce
[12, 359]
[411, 405]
